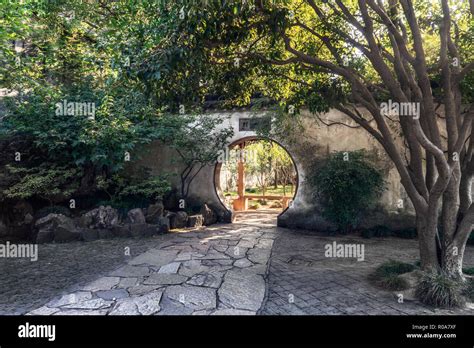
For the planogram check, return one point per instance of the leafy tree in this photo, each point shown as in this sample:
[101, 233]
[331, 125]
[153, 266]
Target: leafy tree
[284, 167]
[66, 56]
[199, 141]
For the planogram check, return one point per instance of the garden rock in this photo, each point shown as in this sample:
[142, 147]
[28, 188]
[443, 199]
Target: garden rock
[195, 220]
[102, 217]
[88, 234]
[163, 225]
[122, 231]
[154, 213]
[178, 220]
[105, 234]
[208, 214]
[62, 228]
[136, 216]
[45, 236]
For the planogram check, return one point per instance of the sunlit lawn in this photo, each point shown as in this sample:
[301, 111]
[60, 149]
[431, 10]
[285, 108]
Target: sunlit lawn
[270, 191]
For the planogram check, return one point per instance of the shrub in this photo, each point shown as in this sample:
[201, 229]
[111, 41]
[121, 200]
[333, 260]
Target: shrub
[347, 184]
[387, 274]
[394, 267]
[393, 283]
[437, 289]
[134, 190]
[52, 183]
[131, 192]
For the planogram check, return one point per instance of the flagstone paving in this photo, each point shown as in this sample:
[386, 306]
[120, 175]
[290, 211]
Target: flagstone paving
[218, 270]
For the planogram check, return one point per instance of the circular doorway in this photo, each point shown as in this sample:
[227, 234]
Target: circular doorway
[256, 174]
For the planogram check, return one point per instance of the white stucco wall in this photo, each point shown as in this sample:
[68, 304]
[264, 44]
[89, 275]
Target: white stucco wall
[315, 141]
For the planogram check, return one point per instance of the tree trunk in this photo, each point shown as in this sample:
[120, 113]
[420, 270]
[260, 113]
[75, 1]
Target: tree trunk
[454, 255]
[276, 179]
[452, 260]
[427, 242]
[465, 191]
[451, 257]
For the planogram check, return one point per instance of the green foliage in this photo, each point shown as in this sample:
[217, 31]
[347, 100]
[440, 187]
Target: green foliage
[347, 185]
[267, 162]
[387, 274]
[132, 190]
[439, 290]
[394, 267]
[50, 183]
[393, 283]
[199, 140]
[121, 122]
[152, 188]
[136, 189]
[261, 162]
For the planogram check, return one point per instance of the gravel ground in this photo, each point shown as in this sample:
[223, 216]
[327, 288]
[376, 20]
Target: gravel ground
[61, 268]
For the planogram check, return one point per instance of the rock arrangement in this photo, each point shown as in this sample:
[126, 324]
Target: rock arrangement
[105, 222]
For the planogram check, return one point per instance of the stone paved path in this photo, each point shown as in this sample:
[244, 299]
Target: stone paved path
[217, 270]
[62, 267]
[303, 281]
[222, 269]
